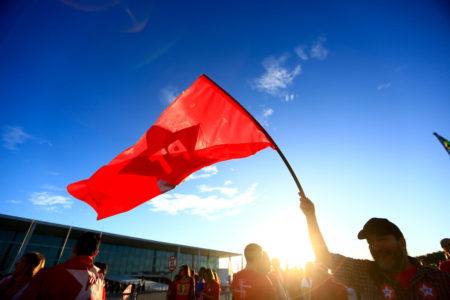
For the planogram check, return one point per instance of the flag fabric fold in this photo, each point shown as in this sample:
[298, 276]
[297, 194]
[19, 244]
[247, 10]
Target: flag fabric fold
[203, 126]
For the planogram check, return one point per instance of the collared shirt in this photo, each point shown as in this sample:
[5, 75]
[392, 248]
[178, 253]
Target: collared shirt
[370, 282]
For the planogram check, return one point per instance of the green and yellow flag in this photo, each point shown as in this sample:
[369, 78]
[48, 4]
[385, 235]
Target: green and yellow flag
[444, 142]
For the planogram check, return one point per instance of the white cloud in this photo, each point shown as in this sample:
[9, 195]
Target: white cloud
[212, 207]
[204, 173]
[267, 112]
[169, 93]
[318, 50]
[276, 76]
[49, 200]
[289, 97]
[227, 191]
[300, 51]
[45, 142]
[51, 188]
[228, 182]
[14, 201]
[384, 86]
[14, 136]
[53, 173]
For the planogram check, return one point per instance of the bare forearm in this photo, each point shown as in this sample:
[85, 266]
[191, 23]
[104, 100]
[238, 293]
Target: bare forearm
[317, 242]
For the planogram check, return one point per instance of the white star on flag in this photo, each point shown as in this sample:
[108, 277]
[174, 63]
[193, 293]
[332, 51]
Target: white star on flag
[387, 292]
[427, 291]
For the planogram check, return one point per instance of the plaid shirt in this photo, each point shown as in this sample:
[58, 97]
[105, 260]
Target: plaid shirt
[370, 282]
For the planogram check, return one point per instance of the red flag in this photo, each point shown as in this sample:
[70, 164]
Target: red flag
[204, 125]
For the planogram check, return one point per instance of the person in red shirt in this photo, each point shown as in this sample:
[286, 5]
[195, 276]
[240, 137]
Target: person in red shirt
[445, 265]
[279, 277]
[12, 286]
[172, 290]
[324, 287]
[265, 268]
[185, 286]
[216, 276]
[77, 278]
[250, 284]
[211, 289]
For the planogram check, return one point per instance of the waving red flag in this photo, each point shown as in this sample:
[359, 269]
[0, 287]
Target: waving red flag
[204, 125]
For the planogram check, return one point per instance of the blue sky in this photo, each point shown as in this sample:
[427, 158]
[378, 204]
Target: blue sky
[351, 92]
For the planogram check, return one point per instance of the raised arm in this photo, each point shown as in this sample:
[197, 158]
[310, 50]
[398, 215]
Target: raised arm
[315, 236]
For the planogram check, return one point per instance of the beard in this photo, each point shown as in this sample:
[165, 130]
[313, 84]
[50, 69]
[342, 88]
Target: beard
[390, 260]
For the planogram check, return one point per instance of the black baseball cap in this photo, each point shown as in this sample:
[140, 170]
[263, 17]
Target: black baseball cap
[380, 226]
[445, 243]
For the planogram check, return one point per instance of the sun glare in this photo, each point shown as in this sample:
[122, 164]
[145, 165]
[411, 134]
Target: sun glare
[285, 237]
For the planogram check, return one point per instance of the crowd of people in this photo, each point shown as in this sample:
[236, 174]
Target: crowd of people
[76, 278]
[188, 285]
[264, 279]
[392, 274]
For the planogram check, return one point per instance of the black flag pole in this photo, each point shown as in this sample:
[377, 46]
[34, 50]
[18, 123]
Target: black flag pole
[302, 193]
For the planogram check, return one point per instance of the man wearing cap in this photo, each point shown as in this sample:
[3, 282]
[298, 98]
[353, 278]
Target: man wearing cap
[445, 265]
[392, 274]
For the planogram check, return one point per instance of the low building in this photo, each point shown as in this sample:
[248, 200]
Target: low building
[124, 255]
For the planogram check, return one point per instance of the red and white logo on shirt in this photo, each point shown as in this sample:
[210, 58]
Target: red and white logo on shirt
[427, 291]
[242, 291]
[387, 291]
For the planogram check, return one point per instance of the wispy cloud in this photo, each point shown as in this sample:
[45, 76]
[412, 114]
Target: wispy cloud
[228, 182]
[50, 201]
[13, 136]
[289, 97]
[227, 191]
[318, 50]
[301, 52]
[204, 173]
[168, 94]
[51, 188]
[384, 86]
[267, 112]
[277, 77]
[212, 207]
[53, 173]
[15, 201]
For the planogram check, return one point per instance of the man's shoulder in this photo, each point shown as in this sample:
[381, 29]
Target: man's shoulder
[251, 276]
[436, 273]
[338, 259]
[247, 273]
[445, 266]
